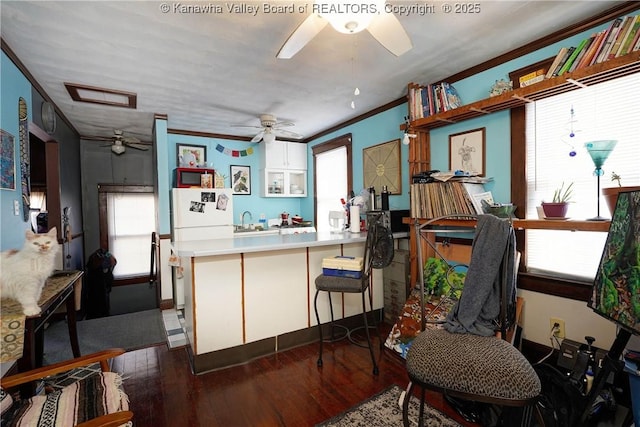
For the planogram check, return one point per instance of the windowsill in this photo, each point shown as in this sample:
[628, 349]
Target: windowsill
[575, 289]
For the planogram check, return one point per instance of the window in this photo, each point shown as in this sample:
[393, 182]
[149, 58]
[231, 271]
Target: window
[127, 220]
[604, 111]
[332, 165]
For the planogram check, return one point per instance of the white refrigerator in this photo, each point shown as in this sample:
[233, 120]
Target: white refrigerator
[201, 214]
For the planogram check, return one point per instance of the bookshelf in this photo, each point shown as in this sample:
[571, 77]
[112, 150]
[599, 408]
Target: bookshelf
[597, 73]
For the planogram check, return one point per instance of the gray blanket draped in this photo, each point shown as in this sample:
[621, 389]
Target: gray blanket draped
[493, 251]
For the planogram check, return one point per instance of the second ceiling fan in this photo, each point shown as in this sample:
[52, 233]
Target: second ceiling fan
[270, 127]
[350, 17]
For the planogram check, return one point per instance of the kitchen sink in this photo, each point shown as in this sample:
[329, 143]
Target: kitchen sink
[252, 230]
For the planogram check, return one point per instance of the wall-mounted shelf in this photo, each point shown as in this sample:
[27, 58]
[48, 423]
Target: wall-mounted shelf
[598, 73]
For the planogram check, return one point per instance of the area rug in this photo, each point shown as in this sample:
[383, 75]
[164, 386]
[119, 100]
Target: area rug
[129, 331]
[383, 410]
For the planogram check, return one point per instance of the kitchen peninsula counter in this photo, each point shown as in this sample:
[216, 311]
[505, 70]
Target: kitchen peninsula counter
[251, 296]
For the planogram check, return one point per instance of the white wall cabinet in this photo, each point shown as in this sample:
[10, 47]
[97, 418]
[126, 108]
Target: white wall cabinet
[283, 168]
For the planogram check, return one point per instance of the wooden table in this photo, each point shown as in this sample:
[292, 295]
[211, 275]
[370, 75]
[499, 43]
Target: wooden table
[58, 290]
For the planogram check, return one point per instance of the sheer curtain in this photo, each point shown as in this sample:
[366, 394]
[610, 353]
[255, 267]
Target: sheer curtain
[604, 111]
[331, 184]
[131, 219]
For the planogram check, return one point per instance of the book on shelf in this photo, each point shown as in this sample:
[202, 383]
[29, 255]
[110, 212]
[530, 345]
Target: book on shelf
[431, 99]
[531, 78]
[622, 34]
[567, 64]
[565, 56]
[611, 35]
[590, 54]
[582, 53]
[627, 44]
[554, 65]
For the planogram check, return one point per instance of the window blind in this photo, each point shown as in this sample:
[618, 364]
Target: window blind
[131, 219]
[604, 111]
[331, 184]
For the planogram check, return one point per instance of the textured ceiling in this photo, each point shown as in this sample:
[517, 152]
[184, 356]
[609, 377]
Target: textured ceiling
[208, 71]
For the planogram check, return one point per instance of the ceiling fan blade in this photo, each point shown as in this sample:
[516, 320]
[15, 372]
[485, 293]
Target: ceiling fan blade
[389, 32]
[288, 133]
[246, 126]
[258, 137]
[283, 124]
[143, 147]
[301, 36]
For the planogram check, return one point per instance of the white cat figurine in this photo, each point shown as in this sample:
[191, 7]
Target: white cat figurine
[24, 272]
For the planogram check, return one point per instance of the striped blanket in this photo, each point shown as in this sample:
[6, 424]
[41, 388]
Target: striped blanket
[96, 395]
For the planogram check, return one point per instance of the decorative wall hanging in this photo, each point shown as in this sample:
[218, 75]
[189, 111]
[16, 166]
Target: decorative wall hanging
[7, 161]
[191, 156]
[466, 151]
[381, 166]
[25, 167]
[234, 153]
[241, 179]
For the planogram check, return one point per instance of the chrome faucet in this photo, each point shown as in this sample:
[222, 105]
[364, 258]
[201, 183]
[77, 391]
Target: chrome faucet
[242, 218]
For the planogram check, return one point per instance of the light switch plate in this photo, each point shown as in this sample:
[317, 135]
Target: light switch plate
[16, 208]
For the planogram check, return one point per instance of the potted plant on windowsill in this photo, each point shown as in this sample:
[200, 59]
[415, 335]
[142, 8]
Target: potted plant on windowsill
[557, 208]
[611, 194]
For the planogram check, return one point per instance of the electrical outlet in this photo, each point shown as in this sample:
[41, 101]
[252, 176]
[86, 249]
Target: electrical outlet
[560, 332]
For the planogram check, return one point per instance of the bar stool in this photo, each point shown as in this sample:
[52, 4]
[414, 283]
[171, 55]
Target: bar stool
[378, 253]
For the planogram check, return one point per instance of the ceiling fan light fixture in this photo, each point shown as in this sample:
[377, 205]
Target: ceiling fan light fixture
[117, 149]
[268, 137]
[349, 17]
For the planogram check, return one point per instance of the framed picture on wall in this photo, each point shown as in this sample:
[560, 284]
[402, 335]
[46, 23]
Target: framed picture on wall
[7, 161]
[241, 179]
[381, 166]
[191, 156]
[466, 151]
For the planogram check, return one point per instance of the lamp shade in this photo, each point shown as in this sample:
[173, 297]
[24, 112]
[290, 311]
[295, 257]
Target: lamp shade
[349, 17]
[268, 137]
[117, 149]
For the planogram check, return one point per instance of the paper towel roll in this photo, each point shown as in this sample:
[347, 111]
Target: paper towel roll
[354, 219]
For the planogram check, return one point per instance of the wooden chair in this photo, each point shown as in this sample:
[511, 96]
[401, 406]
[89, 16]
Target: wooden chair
[97, 400]
[470, 362]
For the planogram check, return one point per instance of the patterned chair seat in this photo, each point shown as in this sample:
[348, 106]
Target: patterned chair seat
[472, 364]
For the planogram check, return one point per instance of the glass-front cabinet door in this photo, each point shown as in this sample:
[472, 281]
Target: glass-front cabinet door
[284, 183]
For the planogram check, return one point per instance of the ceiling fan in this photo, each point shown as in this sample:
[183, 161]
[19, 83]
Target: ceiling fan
[119, 142]
[350, 17]
[270, 127]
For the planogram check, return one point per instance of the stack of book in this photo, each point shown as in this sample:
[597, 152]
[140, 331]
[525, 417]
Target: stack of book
[343, 266]
[620, 38]
[437, 199]
[431, 99]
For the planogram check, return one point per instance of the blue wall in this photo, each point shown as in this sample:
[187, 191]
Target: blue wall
[13, 85]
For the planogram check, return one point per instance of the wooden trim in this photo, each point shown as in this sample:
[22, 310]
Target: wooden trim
[14, 58]
[357, 119]
[562, 34]
[73, 89]
[166, 304]
[566, 288]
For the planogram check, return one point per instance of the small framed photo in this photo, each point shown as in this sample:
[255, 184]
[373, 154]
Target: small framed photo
[467, 151]
[241, 179]
[191, 156]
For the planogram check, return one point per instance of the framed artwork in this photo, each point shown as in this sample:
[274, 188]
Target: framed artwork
[191, 156]
[467, 151]
[7, 161]
[241, 179]
[381, 166]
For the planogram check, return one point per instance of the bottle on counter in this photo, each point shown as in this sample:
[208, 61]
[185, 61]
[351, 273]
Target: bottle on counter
[384, 198]
[372, 198]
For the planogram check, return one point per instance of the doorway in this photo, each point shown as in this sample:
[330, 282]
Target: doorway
[127, 223]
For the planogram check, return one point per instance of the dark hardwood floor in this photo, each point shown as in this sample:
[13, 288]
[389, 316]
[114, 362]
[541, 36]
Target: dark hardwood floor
[284, 389]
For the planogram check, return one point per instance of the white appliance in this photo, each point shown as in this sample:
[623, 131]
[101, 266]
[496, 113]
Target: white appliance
[201, 213]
